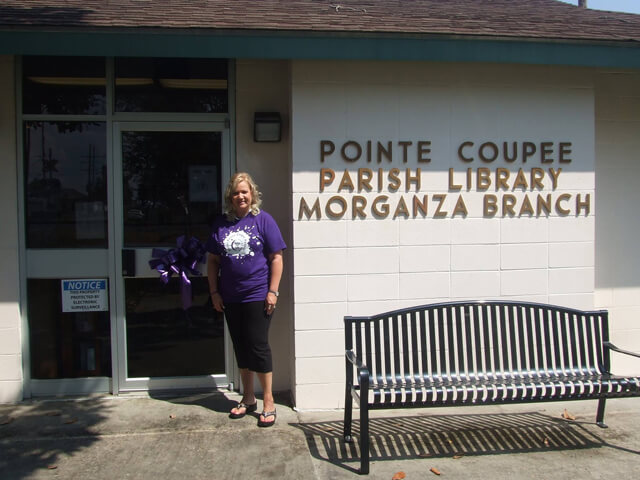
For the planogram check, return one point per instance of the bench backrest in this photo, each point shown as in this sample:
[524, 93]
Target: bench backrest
[491, 339]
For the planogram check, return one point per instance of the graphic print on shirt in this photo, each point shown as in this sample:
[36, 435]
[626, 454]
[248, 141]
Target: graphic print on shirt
[237, 243]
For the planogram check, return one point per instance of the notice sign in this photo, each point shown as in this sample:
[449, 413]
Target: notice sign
[84, 295]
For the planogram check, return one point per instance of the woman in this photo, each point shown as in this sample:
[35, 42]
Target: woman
[244, 266]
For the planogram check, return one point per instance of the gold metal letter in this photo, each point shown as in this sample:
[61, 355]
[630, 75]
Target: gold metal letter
[346, 183]
[424, 148]
[358, 203]
[508, 202]
[565, 149]
[304, 209]
[565, 197]
[405, 145]
[327, 176]
[484, 158]
[490, 208]
[543, 204]
[401, 209]
[327, 147]
[394, 180]
[453, 186]
[586, 204]
[381, 213]
[521, 180]
[502, 178]
[364, 179]
[415, 179]
[440, 198]
[388, 152]
[483, 179]
[461, 155]
[546, 149]
[537, 174]
[418, 205]
[460, 208]
[554, 177]
[528, 150]
[343, 151]
[336, 215]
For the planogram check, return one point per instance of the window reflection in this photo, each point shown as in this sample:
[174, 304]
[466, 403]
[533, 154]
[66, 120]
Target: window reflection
[64, 85]
[163, 340]
[170, 185]
[66, 192]
[171, 85]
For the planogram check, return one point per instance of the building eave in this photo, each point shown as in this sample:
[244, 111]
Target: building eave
[266, 44]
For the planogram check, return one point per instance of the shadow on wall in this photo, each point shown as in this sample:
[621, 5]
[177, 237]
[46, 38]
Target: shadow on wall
[36, 436]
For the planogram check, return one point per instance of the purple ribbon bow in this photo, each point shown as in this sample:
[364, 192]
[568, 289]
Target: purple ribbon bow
[182, 261]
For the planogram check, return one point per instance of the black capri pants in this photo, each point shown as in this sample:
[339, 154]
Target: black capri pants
[248, 325]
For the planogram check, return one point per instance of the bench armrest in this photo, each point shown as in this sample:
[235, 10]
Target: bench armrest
[363, 370]
[351, 356]
[612, 347]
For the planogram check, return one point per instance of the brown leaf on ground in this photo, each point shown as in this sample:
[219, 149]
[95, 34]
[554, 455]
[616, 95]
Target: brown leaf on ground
[398, 476]
[458, 456]
[546, 441]
[568, 416]
[69, 421]
[435, 471]
[172, 416]
[52, 467]
[425, 455]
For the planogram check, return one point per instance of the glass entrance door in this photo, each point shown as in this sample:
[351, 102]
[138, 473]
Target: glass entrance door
[168, 188]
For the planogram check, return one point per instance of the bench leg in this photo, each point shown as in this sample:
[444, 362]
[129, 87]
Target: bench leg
[348, 417]
[600, 414]
[364, 438]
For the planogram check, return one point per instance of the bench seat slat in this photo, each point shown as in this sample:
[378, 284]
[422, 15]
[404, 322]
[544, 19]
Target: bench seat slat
[449, 393]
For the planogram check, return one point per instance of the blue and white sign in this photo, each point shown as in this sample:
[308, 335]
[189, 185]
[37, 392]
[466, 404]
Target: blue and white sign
[84, 295]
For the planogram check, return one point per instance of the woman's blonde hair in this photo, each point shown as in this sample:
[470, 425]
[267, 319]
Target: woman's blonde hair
[256, 196]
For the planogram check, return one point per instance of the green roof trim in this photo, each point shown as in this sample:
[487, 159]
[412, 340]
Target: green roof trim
[285, 45]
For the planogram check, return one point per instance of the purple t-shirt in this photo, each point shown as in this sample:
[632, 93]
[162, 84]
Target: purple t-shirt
[244, 246]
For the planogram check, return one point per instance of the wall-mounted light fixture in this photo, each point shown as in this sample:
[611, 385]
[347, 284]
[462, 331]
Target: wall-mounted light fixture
[267, 127]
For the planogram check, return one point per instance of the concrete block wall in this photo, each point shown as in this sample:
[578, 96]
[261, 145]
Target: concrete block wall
[353, 265]
[11, 376]
[264, 86]
[617, 280]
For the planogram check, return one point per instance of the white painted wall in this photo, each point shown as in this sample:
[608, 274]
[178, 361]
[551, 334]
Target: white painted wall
[364, 266]
[264, 86]
[10, 324]
[617, 279]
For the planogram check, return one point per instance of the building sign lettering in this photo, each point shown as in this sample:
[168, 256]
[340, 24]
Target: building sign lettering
[396, 192]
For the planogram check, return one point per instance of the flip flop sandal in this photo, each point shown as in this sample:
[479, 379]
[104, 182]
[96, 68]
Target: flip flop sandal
[265, 415]
[247, 409]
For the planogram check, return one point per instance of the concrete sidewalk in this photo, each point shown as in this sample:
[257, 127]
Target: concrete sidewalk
[191, 437]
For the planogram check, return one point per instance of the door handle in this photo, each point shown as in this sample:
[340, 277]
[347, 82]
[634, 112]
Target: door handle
[128, 263]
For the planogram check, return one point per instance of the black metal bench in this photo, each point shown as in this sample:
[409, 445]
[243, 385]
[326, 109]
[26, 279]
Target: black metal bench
[477, 353]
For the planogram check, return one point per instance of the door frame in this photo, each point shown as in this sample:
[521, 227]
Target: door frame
[121, 383]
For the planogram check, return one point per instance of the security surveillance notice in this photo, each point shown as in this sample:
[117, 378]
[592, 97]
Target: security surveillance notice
[84, 295]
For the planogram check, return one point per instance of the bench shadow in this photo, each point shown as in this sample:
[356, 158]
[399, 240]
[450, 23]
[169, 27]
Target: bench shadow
[437, 436]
